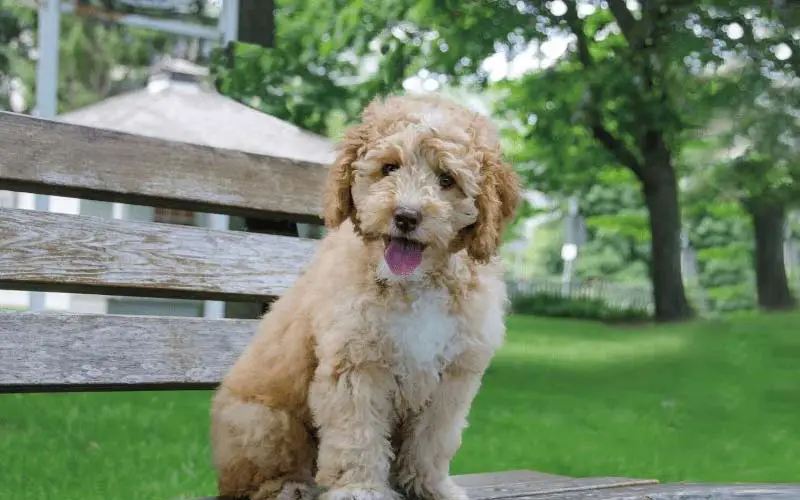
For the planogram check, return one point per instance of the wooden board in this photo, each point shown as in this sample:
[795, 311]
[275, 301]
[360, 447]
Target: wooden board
[504, 478]
[680, 492]
[48, 157]
[529, 485]
[661, 492]
[548, 485]
[70, 352]
[67, 253]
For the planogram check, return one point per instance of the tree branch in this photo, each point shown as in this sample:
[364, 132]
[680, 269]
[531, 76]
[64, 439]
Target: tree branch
[576, 26]
[600, 132]
[628, 24]
[617, 148]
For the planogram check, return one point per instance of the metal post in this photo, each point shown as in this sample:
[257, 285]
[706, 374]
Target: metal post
[228, 26]
[569, 249]
[229, 21]
[46, 94]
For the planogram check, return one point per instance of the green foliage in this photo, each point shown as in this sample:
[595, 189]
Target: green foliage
[14, 21]
[721, 234]
[558, 306]
[618, 238]
[656, 75]
[751, 153]
[542, 255]
[96, 59]
[99, 60]
[736, 297]
[647, 79]
[315, 69]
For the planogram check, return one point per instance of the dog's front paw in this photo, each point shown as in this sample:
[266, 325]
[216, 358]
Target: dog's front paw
[359, 492]
[297, 491]
[444, 490]
[285, 490]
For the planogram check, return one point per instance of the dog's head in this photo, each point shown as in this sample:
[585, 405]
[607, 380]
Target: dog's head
[425, 177]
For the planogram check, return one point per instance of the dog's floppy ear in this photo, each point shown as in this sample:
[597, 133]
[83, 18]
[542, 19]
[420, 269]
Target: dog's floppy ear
[497, 204]
[337, 203]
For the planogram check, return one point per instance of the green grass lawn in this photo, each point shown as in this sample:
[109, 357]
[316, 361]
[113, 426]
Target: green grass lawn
[716, 400]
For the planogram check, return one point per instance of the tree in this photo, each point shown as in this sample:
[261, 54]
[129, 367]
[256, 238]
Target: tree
[97, 58]
[755, 152]
[13, 22]
[722, 237]
[767, 181]
[762, 135]
[625, 89]
[768, 211]
[612, 101]
[633, 85]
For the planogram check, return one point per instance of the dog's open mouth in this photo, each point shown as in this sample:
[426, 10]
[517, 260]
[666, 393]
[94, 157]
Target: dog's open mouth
[402, 255]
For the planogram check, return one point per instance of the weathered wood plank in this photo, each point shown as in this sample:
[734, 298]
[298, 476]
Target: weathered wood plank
[552, 487]
[548, 485]
[666, 492]
[681, 492]
[518, 483]
[67, 253]
[504, 478]
[57, 352]
[49, 157]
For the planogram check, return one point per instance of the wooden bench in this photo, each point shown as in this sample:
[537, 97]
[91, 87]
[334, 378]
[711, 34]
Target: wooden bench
[44, 352]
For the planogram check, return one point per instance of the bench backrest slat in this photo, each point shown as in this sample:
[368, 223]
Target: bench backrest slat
[49, 157]
[58, 352]
[43, 251]
[68, 253]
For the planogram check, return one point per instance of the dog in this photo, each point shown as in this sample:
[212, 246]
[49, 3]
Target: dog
[359, 381]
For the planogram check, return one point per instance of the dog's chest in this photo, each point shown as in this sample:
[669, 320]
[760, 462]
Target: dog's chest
[424, 334]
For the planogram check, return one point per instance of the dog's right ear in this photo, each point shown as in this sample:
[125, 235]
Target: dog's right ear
[337, 203]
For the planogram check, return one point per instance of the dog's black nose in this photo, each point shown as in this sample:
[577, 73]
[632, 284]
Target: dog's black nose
[406, 220]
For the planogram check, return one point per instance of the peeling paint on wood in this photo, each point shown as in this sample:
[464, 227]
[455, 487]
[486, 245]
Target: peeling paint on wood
[66, 253]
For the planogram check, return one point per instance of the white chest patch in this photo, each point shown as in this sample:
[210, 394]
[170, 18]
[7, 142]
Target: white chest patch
[424, 335]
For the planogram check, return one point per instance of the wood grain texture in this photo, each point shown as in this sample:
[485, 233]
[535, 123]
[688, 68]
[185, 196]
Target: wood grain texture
[504, 478]
[53, 351]
[681, 492]
[514, 484]
[529, 485]
[67, 253]
[549, 484]
[663, 492]
[48, 157]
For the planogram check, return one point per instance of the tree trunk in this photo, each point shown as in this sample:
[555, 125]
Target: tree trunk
[771, 283]
[661, 197]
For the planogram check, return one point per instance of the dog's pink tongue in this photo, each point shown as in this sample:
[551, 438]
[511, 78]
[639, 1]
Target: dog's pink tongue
[403, 256]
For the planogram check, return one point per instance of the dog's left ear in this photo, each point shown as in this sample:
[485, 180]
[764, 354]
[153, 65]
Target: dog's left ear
[337, 204]
[497, 205]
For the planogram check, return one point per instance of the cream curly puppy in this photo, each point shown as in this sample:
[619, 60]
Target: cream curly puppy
[361, 377]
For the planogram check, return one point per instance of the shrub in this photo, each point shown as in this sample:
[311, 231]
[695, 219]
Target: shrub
[559, 306]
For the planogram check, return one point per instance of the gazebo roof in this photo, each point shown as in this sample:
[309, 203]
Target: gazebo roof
[174, 106]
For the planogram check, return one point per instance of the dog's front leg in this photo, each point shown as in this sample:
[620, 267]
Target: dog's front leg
[432, 437]
[352, 409]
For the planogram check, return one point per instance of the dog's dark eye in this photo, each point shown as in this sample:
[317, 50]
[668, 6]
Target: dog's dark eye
[389, 168]
[446, 181]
